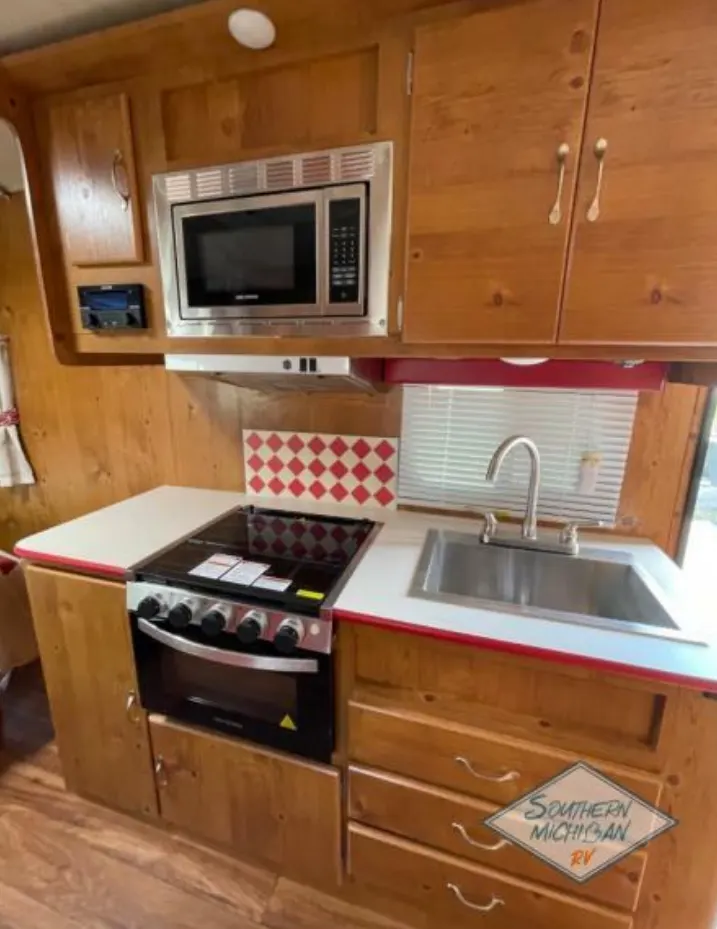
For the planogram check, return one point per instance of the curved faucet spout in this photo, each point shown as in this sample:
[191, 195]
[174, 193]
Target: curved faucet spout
[530, 522]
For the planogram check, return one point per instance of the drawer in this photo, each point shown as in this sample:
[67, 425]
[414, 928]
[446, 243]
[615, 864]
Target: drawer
[435, 891]
[471, 761]
[590, 712]
[452, 823]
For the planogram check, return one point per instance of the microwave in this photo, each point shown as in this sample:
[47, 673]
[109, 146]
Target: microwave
[294, 245]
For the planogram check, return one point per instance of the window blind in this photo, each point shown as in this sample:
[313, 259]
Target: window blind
[449, 434]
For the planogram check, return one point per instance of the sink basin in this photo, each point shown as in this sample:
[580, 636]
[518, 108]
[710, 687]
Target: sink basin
[611, 592]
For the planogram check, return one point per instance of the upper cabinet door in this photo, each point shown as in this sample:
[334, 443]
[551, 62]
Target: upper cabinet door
[498, 107]
[644, 260]
[95, 182]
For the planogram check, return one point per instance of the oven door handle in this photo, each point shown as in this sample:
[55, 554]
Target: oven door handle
[233, 659]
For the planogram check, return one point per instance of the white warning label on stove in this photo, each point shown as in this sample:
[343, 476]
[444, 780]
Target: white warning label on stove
[245, 573]
[216, 566]
[272, 583]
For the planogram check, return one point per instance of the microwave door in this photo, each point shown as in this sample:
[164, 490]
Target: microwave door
[250, 258]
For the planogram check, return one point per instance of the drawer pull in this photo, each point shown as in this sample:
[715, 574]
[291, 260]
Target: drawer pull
[463, 832]
[599, 151]
[496, 778]
[481, 907]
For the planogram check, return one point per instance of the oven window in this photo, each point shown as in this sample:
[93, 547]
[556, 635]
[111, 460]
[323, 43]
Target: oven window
[245, 258]
[266, 696]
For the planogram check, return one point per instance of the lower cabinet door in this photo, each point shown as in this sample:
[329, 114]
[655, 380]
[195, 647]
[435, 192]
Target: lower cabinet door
[435, 891]
[277, 810]
[84, 639]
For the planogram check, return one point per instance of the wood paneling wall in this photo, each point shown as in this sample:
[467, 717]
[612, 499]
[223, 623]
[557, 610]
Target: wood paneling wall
[95, 435]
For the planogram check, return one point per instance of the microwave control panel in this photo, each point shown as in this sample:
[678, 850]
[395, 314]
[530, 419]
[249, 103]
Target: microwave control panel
[345, 250]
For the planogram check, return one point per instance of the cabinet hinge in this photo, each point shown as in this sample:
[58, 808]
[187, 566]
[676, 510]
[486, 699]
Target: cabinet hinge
[409, 74]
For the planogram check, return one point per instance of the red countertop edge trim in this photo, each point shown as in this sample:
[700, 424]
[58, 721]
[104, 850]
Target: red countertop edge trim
[90, 567]
[497, 645]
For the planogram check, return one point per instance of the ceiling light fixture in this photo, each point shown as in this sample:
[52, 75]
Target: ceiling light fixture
[252, 28]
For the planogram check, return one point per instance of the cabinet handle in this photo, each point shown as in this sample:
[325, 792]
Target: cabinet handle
[463, 833]
[123, 194]
[599, 152]
[496, 778]
[556, 214]
[160, 772]
[481, 907]
[132, 707]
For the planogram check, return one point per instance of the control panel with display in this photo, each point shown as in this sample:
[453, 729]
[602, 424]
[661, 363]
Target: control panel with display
[112, 307]
[345, 231]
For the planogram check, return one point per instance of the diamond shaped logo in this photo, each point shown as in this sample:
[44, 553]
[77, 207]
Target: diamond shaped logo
[580, 822]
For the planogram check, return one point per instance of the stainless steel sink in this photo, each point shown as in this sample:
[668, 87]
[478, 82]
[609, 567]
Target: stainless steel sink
[610, 592]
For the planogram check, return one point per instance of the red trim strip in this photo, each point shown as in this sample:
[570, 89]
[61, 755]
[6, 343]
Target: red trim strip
[585, 375]
[89, 567]
[513, 648]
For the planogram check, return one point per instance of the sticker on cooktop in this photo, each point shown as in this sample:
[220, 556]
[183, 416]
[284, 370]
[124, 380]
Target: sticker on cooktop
[245, 573]
[215, 567]
[310, 594]
[272, 583]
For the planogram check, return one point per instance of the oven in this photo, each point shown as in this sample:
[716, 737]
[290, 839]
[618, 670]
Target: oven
[286, 242]
[247, 690]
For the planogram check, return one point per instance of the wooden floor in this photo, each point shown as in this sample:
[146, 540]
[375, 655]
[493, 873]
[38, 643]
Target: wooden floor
[66, 863]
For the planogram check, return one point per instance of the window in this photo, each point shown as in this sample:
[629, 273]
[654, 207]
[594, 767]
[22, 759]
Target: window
[698, 545]
[449, 434]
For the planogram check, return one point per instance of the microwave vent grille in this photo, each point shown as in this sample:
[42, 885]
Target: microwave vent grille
[316, 169]
[356, 165]
[178, 188]
[243, 178]
[209, 183]
[280, 174]
[313, 170]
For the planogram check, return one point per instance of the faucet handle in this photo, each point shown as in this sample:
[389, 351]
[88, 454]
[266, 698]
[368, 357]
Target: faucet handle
[490, 527]
[569, 532]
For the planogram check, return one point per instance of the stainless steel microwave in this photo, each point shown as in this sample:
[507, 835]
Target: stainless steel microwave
[297, 244]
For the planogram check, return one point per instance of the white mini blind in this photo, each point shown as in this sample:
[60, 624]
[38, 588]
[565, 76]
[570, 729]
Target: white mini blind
[449, 434]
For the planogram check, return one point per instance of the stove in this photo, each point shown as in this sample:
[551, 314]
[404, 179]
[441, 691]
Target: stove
[231, 627]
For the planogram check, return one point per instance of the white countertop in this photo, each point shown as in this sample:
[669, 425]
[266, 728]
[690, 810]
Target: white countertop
[112, 540]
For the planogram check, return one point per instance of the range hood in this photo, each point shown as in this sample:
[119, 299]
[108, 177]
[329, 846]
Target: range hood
[275, 372]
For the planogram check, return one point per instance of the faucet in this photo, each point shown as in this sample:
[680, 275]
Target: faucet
[530, 522]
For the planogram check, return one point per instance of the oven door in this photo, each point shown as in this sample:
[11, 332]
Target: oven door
[250, 257]
[247, 691]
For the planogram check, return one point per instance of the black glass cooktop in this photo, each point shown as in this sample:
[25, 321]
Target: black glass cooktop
[268, 556]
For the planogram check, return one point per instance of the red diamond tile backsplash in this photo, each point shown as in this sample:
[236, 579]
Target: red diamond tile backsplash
[348, 469]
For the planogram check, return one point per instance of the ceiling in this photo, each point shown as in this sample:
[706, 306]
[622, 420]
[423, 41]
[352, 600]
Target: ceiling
[29, 23]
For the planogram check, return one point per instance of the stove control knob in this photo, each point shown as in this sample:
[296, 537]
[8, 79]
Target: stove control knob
[180, 616]
[149, 607]
[289, 635]
[214, 622]
[252, 625]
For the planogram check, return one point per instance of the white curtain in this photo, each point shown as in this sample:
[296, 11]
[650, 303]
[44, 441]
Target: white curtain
[14, 466]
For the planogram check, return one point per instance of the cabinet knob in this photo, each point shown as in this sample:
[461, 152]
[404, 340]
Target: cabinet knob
[121, 189]
[160, 772]
[132, 707]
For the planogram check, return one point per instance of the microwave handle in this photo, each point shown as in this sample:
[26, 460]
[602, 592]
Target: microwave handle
[233, 659]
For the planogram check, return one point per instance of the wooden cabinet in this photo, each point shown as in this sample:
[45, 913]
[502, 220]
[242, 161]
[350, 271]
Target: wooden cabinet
[84, 639]
[429, 889]
[263, 805]
[475, 762]
[497, 111]
[453, 823]
[93, 172]
[643, 268]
